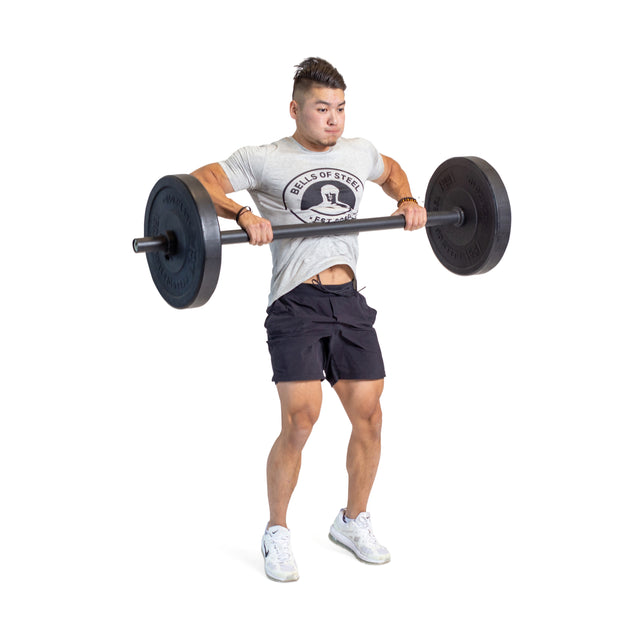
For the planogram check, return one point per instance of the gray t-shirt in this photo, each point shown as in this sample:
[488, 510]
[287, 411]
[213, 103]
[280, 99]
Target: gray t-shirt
[292, 185]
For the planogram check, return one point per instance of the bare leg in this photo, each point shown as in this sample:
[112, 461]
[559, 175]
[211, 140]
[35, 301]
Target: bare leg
[361, 400]
[300, 404]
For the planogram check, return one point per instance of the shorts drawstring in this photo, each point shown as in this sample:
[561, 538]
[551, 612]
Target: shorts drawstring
[336, 289]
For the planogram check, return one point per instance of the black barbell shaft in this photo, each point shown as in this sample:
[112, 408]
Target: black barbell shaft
[434, 219]
[237, 236]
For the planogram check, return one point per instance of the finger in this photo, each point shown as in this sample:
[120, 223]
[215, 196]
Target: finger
[419, 219]
[260, 233]
[254, 234]
[411, 219]
[262, 236]
[267, 233]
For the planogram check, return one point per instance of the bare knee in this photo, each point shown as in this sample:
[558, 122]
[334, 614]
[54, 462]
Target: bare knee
[367, 422]
[300, 403]
[361, 400]
[298, 424]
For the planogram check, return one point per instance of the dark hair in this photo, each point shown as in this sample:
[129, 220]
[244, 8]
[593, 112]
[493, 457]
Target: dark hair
[316, 71]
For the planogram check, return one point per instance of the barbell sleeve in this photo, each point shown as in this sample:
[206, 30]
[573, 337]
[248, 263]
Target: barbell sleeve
[151, 244]
[156, 244]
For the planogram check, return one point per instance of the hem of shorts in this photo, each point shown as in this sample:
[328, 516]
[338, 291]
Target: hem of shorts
[298, 379]
[333, 382]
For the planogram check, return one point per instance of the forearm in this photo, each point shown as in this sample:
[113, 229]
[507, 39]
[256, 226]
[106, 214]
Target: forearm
[217, 185]
[396, 184]
[215, 181]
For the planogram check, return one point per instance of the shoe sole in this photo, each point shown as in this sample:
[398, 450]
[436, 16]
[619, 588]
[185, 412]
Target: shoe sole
[281, 580]
[345, 544]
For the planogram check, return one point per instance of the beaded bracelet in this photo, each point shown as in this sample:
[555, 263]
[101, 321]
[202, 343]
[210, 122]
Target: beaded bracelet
[407, 199]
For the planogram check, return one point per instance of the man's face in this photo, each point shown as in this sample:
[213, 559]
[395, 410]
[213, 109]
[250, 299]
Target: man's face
[319, 117]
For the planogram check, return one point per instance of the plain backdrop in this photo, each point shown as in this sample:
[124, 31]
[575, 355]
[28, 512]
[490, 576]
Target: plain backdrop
[134, 436]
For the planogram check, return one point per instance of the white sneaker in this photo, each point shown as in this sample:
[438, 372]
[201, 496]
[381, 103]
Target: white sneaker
[279, 563]
[357, 536]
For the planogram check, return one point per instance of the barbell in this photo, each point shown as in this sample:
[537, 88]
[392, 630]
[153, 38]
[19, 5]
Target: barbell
[468, 226]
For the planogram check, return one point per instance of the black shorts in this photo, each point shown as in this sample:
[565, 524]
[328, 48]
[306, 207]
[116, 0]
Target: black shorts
[323, 331]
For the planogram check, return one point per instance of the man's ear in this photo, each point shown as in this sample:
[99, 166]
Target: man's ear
[294, 109]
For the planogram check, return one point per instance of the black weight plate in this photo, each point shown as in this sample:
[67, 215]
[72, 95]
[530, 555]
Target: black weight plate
[474, 186]
[188, 277]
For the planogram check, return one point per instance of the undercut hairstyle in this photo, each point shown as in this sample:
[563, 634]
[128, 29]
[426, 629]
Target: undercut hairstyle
[316, 71]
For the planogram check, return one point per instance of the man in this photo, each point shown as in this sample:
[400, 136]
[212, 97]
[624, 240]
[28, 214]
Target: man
[318, 325]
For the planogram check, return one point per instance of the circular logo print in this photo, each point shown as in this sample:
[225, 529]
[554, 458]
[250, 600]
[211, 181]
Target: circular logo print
[323, 195]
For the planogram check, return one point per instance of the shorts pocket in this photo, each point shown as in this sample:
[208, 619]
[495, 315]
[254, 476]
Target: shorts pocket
[369, 313]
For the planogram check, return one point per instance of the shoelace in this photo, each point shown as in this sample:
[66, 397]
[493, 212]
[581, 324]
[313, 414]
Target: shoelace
[281, 549]
[364, 523]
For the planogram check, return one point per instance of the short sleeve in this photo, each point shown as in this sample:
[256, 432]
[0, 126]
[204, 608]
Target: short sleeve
[244, 167]
[377, 162]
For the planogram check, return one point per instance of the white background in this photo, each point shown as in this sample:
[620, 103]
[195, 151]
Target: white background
[134, 436]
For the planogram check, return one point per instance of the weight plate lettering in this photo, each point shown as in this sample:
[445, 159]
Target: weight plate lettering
[188, 276]
[474, 186]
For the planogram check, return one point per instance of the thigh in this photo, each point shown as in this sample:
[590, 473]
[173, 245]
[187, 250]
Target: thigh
[360, 398]
[300, 401]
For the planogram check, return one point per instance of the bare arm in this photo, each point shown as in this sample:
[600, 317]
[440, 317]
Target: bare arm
[394, 183]
[215, 181]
